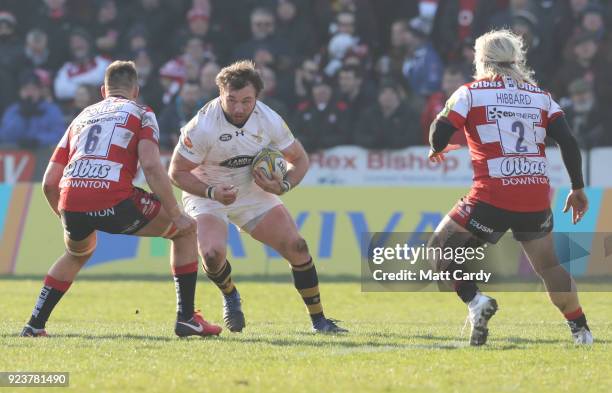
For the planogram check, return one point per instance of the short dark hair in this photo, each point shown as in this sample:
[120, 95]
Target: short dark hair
[238, 75]
[120, 75]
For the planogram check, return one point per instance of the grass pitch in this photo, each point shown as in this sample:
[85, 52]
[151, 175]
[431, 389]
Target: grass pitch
[118, 336]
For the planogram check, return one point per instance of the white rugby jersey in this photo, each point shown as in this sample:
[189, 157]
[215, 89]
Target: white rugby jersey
[225, 152]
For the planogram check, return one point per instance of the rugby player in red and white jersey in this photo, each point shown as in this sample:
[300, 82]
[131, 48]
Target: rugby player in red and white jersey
[506, 118]
[88, 183]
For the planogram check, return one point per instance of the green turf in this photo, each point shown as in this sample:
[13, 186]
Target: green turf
[117, 336]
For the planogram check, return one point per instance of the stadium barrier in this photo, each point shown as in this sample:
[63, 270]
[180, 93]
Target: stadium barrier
[347, 192]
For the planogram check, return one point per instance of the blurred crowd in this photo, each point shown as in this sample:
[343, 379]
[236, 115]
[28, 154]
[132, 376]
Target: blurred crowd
[372, 73]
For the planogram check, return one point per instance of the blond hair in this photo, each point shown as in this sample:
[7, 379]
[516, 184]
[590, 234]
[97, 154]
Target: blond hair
[502, 53]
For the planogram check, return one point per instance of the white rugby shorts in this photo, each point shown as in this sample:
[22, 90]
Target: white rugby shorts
[247, 207]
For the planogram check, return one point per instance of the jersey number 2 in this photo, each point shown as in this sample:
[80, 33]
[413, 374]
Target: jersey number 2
[518, 126]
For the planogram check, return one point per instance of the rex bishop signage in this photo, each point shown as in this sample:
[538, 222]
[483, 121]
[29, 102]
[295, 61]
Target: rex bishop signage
[355, 166]
[410, 167]
[16, 166]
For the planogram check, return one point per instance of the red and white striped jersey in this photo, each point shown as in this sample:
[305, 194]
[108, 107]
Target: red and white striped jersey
[505, 125]
[100, 153]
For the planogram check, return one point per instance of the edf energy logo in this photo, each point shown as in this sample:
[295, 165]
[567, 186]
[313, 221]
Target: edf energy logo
[495, 113]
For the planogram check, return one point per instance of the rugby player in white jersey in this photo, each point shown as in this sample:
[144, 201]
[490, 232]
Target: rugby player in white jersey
[506, 117]
[211, 164]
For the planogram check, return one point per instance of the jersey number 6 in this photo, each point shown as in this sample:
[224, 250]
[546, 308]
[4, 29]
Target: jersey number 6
[92, 139]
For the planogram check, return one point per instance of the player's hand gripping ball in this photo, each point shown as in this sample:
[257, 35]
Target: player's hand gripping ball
[271, 162]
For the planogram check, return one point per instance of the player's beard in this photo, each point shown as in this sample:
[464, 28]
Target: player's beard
[238, 121]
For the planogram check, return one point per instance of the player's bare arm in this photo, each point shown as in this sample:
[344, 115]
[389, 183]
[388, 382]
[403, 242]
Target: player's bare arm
[181, 176]
[298, 163]
[156, 176]
[51, 189]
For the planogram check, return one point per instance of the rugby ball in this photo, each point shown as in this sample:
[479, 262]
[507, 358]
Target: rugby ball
[272, 162]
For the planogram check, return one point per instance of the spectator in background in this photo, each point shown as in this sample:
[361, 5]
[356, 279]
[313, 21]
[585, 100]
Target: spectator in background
[83, 12]
[358, 56]
[452, 79]
[581, 63]
[353, 93]
[457, 20]
[54, 18]
[339, 45]
[295, 26]
[585, 117]
[266, 47]
[344, 42]
[466, 61]
[219, 16]
[566, 26]
[345, 23]
[208, 85]
[46, 83]
[388, 125]
[151, 90]
[304, 78]
[197, 51]
[593, 20]
[172, 75]
[177, 114]
[502, 19]
[192, 70]
[388, 12]
[10, 44]
[192, 57]
[216, 45]
[269, 94]
[159, 19]
[36, 53]
[320, 121]
[10, 48]
[32, 121]
[85, 67]
[84, 96]
[423, 67]
[524, 23]
[335, 18]
[390, 65]
[137, 40]
[108, 29]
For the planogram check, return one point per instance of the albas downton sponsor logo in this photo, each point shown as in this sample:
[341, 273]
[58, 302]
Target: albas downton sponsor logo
[93, 169]
[87, 169]
[520, 166]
